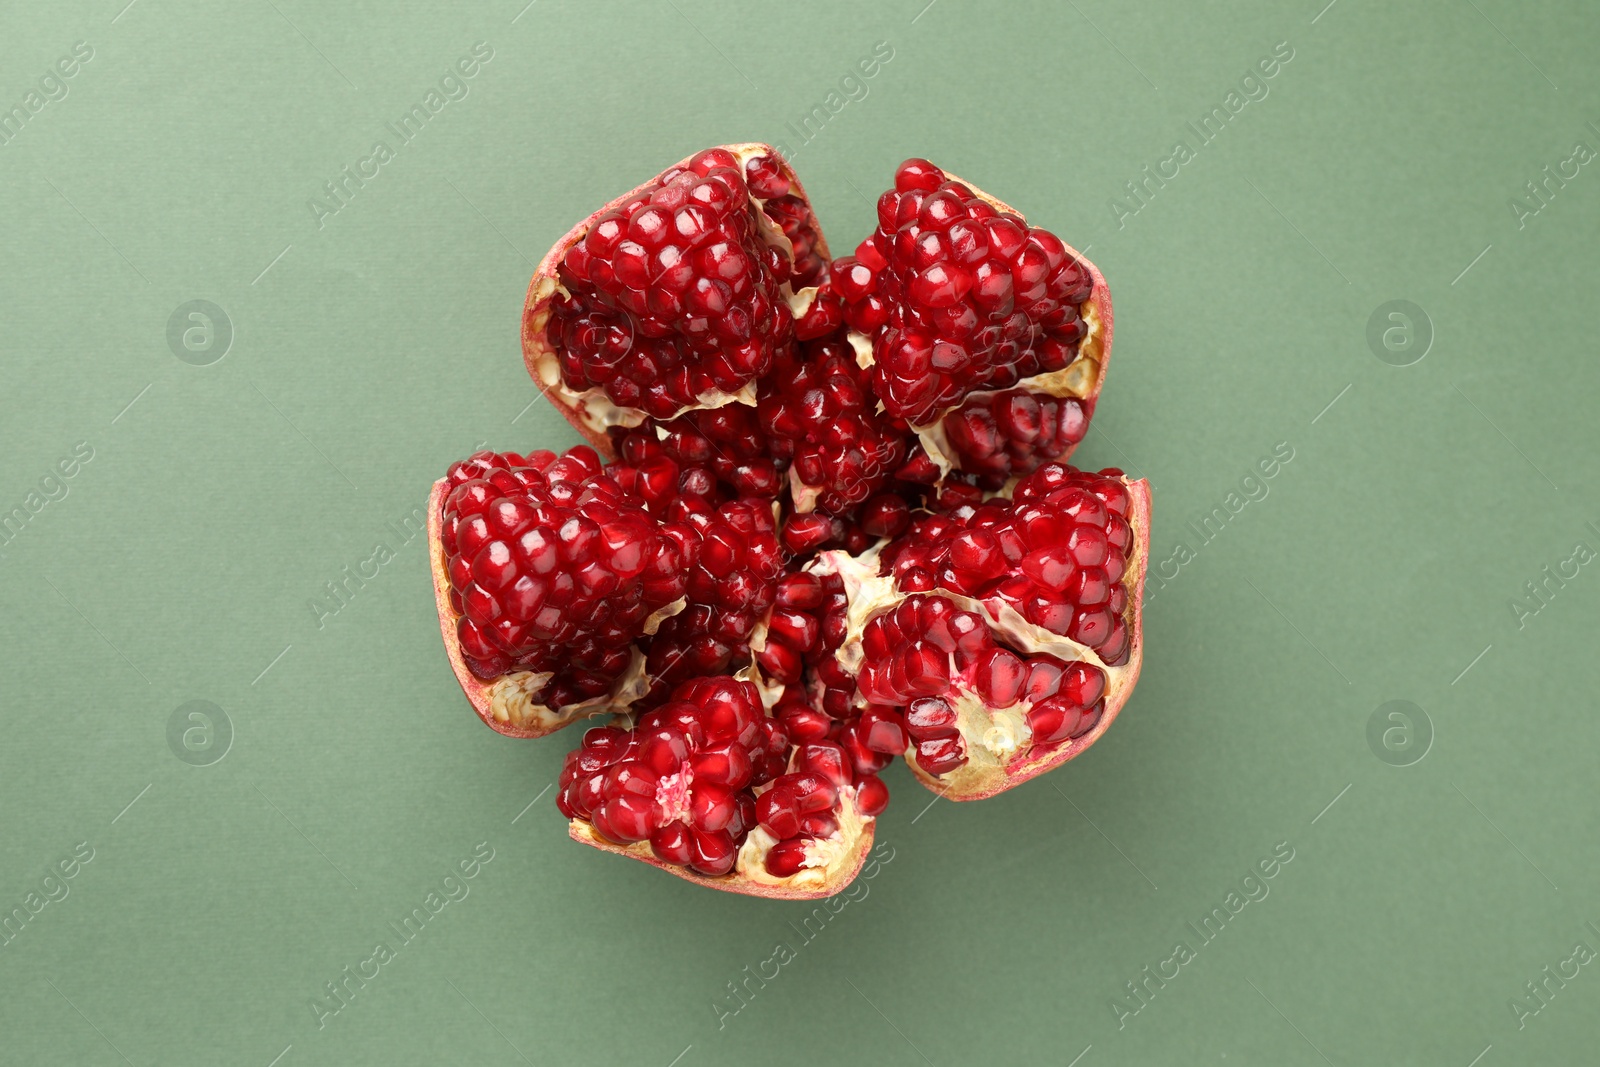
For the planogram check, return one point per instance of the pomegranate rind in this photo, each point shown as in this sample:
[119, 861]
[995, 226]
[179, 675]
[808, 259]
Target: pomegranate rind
[504, 704]
[973, 783]
[1095, 346]
[846, 872]
[591, 417]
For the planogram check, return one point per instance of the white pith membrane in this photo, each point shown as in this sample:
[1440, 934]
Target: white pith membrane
[513, 698]
[826, 857]
[597, 410]
[1077, 379]
[995, 741]
[770, 692]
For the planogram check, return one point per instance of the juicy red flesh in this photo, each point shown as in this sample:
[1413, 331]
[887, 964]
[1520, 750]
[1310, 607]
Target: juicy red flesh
[1016, 430]
[681, 779]
[1057, 552]
[957, 295]
[728, 441]
[686, 779]
[553, 567]
[803, 805]
[822, 418]
[675, 293]
[684, 291]
[928, 653]
[734, 563]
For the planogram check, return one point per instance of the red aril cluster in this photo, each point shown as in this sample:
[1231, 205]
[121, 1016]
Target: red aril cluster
[728, 441]
[553, 567]
[804, 806]
[681, 779]
[1013, 432]
[928, 656]
[769, 184]
[733, 566]
[821, 418]
[1057, 552]
[958, 295]
[674, 294]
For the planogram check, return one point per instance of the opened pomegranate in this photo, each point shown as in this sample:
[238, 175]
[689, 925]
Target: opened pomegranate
[824, 522]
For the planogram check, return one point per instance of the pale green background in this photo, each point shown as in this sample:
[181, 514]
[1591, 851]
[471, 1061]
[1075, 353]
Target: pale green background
[383, 345]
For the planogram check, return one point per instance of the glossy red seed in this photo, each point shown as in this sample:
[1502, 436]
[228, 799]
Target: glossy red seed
[883, 730]
[786, 858]
[777, 810]
[1082, 684]
[671, 844]
[940, 755]
[1089, 720]
[872, 796]
[1053, 721]
[930, 718]
[711, 854]
[1000, 677]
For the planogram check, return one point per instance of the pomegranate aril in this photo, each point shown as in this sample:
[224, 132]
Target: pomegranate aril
[628, 818]
[712, 853]
[1090, 719]
[940, 754]
[883, 730]
[1082, 684]
[930, 718]
[818, 824]
[671, 844]
[777, 810]
[711, 807]
[872, 796]
[787, 858]
[1053, 721]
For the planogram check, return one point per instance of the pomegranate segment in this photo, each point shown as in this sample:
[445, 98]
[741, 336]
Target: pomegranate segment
[676, 297]
[962, 301]
[1003, 638]
[1057, 553]
[548, 572]
[708, 787]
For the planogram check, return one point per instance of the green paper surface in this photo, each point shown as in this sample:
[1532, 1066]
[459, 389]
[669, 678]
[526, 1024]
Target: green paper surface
[1344, 265]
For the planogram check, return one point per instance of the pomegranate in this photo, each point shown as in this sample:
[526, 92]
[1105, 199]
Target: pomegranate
[823, 520]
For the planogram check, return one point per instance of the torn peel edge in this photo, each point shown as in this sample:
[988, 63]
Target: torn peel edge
[540, 358]
[505, 704]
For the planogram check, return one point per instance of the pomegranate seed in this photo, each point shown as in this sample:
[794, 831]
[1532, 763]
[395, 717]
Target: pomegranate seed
[1053, 721]
[930, 718]
[872, 796]
[786, 858]
[711, 853]
[941, 754]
